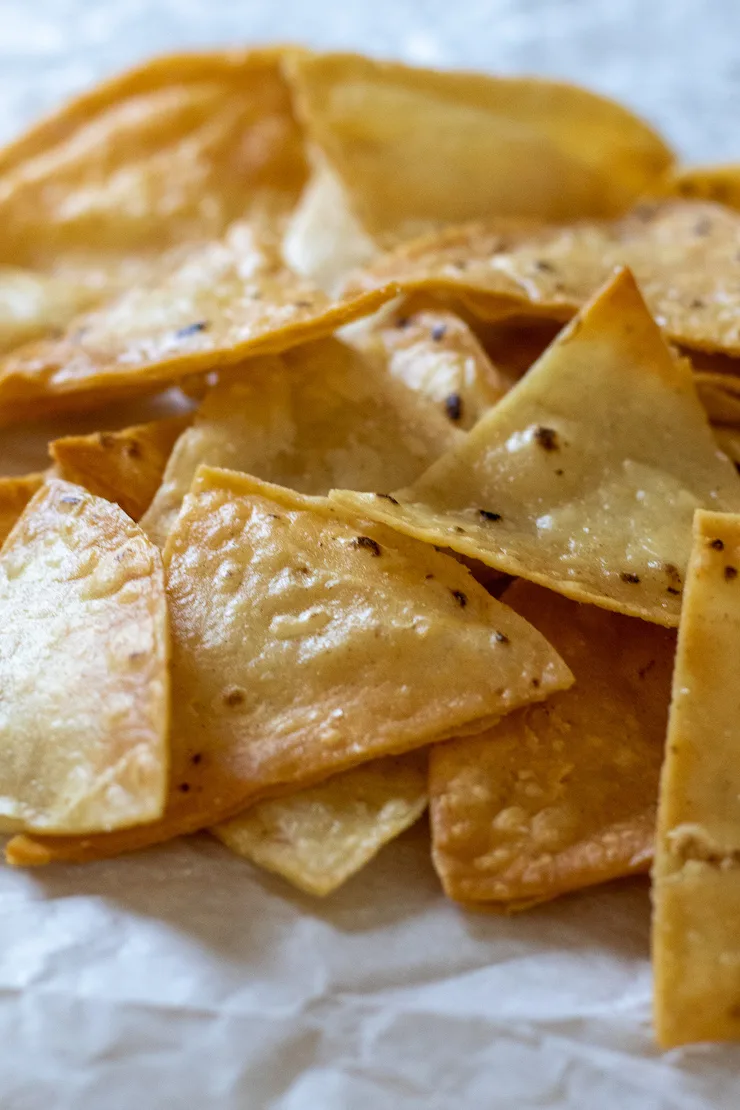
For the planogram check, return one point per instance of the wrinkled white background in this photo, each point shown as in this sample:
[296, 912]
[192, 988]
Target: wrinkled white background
[184, 979]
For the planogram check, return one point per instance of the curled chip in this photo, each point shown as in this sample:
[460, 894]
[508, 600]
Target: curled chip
[696, 880]
[320, 837]
[94, 198]
[124, 466]
[305, 642]
[560, 795]
[413, 147]
[224, 301]
[83, 668]
[682, 253]
[319, 415]
[585, 477]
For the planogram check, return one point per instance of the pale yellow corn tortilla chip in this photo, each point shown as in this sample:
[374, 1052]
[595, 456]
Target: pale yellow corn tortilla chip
[436, 354]
[317, 416]
[83, 668]
[165, 155]
[228, 300]
[561, 795]
[684, 255]
[585, 477]
[413, 146]
[306, 642]
[696, 881]
[15, 493]
[124, 466]
[320, 837]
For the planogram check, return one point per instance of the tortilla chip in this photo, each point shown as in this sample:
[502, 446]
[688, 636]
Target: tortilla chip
[15, 493]
[696, 881]
[585, 477]
[225, 301]
[413, 146]
[683, 254]
[561, 795]
[722, 405]
[166, 155]
[320, 837]
[306, 642]
[324, 241]
[318, 416]
[717, 183]
[728, 440]
[125, 466]
[436, 355]
[83, 668]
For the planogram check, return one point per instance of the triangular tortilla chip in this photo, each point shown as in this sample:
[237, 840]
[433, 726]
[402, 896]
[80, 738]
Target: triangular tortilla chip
[165, 155]
[84, 652]
[585, 477]
[696, 879]
[320, 837]
[225, 301]
[15, 493]
[436, 354]
[306, 642]
[413, 146]
[683, 254]
[318, 416]
[562, 795]
[125, 466]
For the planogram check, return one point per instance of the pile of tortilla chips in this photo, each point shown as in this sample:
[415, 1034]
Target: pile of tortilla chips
[383, 430]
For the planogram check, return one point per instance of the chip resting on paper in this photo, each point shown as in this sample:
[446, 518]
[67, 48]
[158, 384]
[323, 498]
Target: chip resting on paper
[15, 493]
[227, 300]
[412, 146]
[96, 197]
[305, 642]
[684, 254]
[585, 477]
[696, 876]
[317, 416]
[320, 837]
[560, 795]
[124, 466]
[84, 713]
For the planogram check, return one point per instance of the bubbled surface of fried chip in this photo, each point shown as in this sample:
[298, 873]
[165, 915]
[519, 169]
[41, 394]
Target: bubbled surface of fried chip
[306, 642]
[561, 795]
[124, 466]
[15, 493]
[320, 837]
[585, 477]
[317, 416]
[437, 355]
[413, 146]
[696, 880]
[83, 668]
[684, 254]
[229, 299]
[166, 155]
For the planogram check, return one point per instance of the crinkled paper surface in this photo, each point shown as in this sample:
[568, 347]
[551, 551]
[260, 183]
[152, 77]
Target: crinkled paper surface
[182, 977]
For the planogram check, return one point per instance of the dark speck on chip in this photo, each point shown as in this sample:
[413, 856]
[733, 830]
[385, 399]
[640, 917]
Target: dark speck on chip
[70, 500]
[627, 576]
[486, 514]
[454, 406]
[439, 331]
[387, 497]
[191, 329]
[547, 438]
[369, 545]
[501, 638]
[460, 598]
[730, 573]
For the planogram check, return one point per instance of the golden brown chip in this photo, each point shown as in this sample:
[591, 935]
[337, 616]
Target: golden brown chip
[696, 881]
[166, 155]
[225, 301]
[717, 183]
[722, 405]
[317, 416]
[83, 668]
[436, 355]
[561, 795]
[413, 146]
[683, 254]
[124, 466]
[585, 477]
[320, 837]
[15, 493]
[306, 642]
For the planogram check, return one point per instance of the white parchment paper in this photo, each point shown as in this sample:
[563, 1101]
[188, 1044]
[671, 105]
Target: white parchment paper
[183, 978]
